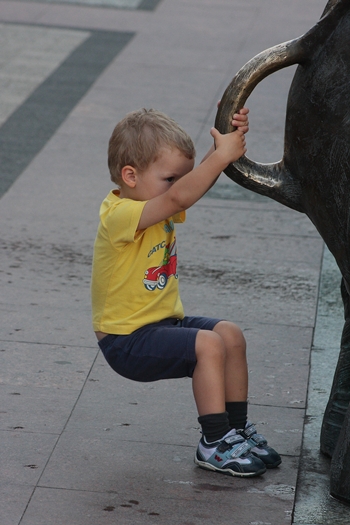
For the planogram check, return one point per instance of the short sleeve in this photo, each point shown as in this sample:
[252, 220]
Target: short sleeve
[179, 217]
[121, 220]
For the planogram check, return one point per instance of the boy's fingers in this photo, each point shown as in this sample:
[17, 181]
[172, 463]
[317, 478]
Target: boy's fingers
[240, 125]
[240, 118]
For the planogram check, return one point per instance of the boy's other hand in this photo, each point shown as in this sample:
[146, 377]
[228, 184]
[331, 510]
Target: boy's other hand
[240, 120]
[230, 146]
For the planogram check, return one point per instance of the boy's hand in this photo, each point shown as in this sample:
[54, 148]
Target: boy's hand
[230, 146]
[240, 120]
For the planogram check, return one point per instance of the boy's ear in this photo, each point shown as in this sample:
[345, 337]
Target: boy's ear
[128, 174]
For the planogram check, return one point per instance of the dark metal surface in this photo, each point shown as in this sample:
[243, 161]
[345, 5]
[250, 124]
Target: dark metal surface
[313, 176]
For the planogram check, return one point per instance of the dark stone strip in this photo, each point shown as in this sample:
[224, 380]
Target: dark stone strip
[145, 5]
[32, 124]
[149, 5]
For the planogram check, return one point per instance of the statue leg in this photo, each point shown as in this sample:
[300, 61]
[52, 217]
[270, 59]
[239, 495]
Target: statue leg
[340, 466]
[340, 394]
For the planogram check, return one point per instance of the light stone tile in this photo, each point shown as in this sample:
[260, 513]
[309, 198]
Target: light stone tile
[29, 55]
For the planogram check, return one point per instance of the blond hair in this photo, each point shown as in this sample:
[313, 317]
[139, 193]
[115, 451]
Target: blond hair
[138, 138]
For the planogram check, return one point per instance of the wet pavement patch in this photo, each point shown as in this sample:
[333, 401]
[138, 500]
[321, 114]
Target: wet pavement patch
[213, 488]
[34, 122]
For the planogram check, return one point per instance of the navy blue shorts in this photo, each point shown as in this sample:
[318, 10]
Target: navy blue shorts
[164, 350]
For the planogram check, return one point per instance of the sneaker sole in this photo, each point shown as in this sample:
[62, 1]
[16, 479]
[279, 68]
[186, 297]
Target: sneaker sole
[227, 471]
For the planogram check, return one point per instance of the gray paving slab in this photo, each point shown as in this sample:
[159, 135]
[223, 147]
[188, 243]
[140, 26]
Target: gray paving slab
[14, 500]
[283, 353]
[85, 454]
[181, 484]
[176, 504]
[26, 456]
[43, 365]
[51, 328]
[36, 409]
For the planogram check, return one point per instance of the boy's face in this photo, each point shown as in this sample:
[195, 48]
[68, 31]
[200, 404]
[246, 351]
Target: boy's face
[169, 167]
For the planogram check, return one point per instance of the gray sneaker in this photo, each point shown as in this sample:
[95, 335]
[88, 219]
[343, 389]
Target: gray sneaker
[259, 447]
[231, 455]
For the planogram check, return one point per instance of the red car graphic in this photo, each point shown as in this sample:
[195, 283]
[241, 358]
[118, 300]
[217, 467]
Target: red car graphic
[157, 276]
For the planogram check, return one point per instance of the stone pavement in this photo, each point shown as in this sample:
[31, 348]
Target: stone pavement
[80, 445]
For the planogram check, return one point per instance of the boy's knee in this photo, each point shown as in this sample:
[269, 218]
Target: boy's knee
[209, 344]
[230, 332]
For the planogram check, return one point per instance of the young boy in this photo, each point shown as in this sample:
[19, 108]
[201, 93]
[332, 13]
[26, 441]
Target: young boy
[138, 316]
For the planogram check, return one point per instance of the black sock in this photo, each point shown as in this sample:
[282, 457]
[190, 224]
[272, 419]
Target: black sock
[214, 426]
[237, 413]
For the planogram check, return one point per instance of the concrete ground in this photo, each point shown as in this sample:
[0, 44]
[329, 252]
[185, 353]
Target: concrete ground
[80, 445]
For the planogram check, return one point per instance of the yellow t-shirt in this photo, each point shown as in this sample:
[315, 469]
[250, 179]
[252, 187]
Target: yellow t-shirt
[134, 279]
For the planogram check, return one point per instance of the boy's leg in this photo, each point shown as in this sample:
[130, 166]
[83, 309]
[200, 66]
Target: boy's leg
[208, 379]
[221, 381]
[208, 383]
[236, 373]
[236, 369]
[220, 448]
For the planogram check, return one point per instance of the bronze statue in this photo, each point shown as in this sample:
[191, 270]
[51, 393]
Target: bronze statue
[313, 177]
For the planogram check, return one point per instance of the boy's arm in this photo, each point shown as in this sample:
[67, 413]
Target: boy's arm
[239, 121]
[191, 187]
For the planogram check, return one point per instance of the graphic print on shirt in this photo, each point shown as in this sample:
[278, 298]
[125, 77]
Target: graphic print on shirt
[157, 276]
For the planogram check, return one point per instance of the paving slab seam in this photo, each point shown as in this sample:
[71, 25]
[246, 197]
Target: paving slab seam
[60, 435]
[45, 343]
